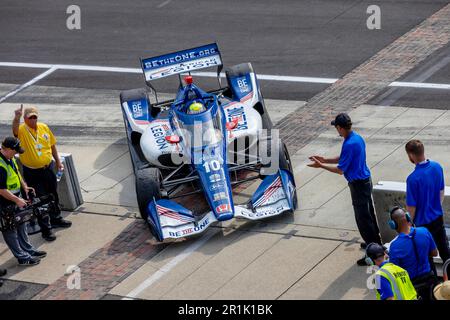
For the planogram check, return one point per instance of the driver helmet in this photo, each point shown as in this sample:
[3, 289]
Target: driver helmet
[196, 107]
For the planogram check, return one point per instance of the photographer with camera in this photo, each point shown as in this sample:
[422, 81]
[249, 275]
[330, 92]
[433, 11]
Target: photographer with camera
[12, 187]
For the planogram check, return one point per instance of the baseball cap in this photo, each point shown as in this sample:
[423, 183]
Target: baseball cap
[442, 291]
[13, 143]
[30, 111]
[374, 251]
[342, 119]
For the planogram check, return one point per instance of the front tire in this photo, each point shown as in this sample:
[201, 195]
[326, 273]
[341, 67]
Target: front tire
[148, 186]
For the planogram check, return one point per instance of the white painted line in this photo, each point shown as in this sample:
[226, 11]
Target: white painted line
[420, 85]
[70, 67]
[213, 74]
[29, 83]
[169, 266]
[163, 4]
[274, 77]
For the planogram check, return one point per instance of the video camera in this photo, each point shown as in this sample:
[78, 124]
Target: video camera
[12, 216]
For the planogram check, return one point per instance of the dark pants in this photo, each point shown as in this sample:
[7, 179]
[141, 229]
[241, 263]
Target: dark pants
[44, 182]
[361, 192]
[437, 230]
[424, 285]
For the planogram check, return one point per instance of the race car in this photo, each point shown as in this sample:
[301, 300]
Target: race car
[203, 143]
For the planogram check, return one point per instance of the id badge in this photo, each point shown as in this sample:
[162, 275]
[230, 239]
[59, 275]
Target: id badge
[39, 153]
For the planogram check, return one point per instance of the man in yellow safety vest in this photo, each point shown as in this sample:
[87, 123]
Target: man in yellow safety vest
[11, 187]
[393, 282]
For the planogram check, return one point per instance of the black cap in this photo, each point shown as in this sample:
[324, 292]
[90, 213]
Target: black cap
[342, 120]
[12, 143]
[375, 250]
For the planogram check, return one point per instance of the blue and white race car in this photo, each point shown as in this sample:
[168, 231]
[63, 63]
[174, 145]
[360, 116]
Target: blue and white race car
[204, 144]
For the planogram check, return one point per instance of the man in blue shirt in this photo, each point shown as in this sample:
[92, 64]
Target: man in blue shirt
[425, 194]
[411, 250]
[352, 164]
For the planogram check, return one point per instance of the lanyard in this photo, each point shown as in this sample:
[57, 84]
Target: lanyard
[36, 140]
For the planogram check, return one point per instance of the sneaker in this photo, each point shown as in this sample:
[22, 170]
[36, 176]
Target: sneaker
[49, 236]
[3, 272]
[61, 223]
[361, 262]
[29, 262]
[39, 254]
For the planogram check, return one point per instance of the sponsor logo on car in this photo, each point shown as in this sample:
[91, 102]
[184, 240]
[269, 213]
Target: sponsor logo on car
[216, 186]
[180, 57]
[243, 85]
[223, 208]
[184, 67]
[215, 178]
[219, 196]
[190, 230]
[238, 113]
[136, 106]
[159, 133]
[265, 211]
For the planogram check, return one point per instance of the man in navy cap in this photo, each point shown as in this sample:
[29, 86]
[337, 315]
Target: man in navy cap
[352, 164]
[12, 188]
[392, 281]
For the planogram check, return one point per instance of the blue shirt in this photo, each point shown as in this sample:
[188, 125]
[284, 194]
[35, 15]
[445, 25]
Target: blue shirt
[352, 160]
[402, 254]
[423, 188]
[385, 289]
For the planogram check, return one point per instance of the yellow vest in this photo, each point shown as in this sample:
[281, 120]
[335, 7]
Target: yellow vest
[401, 284]
[13, 178]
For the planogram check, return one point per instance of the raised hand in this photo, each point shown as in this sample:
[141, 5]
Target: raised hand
[18, 112]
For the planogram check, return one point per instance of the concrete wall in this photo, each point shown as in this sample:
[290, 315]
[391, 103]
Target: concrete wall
[387, 194]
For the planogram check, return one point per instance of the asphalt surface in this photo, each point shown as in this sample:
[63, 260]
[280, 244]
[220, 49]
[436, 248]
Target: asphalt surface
[325, 38]
[435, 69]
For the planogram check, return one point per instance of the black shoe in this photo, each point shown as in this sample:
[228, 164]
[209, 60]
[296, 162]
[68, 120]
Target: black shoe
[29, 262]
[363, 245]
[49, 236]
[61, 223]
[3, 272]
[362, 262]
[39, 254]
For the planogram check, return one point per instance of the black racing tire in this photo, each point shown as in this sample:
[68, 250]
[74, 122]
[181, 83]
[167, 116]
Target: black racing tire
[148, 186]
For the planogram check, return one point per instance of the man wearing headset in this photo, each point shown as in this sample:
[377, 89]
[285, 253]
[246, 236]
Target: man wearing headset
[411, 250]
[393, 282]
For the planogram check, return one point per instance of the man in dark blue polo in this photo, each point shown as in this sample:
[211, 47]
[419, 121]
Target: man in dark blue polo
[352, 164]
[425, 188]
[412, 250]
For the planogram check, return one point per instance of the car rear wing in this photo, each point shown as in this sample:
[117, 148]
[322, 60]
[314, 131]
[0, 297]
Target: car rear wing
[183, 61]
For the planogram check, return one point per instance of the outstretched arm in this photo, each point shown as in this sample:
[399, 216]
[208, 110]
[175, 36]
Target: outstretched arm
[318, 164]
[326, 160]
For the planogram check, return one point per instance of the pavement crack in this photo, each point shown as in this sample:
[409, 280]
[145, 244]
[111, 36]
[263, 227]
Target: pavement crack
[309, 271]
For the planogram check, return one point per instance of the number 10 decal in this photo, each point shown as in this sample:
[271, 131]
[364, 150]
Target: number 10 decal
[212, 165]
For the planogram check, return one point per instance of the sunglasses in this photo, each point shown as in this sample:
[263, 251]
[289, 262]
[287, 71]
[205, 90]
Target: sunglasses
[32, 117]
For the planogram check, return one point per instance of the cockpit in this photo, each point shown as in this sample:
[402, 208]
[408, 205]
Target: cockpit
[197, 117]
